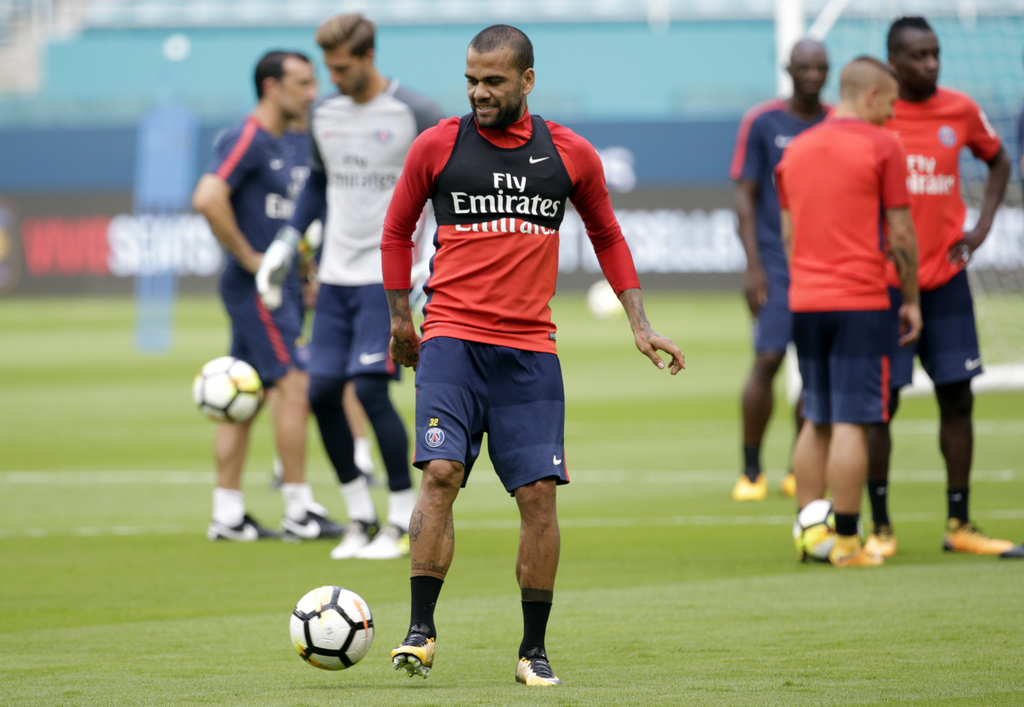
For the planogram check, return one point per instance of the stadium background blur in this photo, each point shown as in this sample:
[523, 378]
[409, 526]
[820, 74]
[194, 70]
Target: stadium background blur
[105, 465]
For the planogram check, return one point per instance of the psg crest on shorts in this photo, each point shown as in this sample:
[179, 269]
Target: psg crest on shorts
[434, 437]
[947, 136]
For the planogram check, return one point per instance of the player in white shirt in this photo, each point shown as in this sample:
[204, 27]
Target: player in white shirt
[360, 137]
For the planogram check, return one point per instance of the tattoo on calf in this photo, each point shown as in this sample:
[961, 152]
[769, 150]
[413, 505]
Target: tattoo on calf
[449, 528]
[416, 525]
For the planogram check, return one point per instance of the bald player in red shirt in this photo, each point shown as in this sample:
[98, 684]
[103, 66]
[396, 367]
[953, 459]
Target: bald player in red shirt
[835, 182]
[934, 124]
[499, 179]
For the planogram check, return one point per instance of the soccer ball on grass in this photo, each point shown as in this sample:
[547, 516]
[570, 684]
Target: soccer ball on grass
[331, 628]
[228, 390]
[814, 532]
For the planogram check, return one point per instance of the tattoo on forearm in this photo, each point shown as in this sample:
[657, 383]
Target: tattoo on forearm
[449, 528]
[905, 260]
[398, 303]
[416, 525]
[633, 303]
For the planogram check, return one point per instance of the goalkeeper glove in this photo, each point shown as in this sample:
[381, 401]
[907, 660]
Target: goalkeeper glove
[276, 264]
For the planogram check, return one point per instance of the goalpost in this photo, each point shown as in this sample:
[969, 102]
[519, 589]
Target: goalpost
[982, 51]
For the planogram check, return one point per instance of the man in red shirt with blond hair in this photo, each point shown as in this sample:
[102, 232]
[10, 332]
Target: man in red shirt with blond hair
[499, 179]
[836, 181]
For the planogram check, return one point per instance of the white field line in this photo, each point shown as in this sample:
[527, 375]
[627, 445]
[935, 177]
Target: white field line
[513, 524]
[205, 478]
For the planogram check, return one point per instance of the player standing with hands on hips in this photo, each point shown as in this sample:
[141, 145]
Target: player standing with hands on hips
[499, 179]
[246, 196]
[934, 124]
[836, 182]
[360, 137]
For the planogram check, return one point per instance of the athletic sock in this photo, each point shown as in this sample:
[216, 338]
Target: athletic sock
[228, 507]
[878, 494]
[536, 610]
[957, 500]
[425, 590]
[298, 500]
[846, 523]
[325, 402]
[362, 455]
[358, 501]
[372, 391]
[400, 505]
[752, 461]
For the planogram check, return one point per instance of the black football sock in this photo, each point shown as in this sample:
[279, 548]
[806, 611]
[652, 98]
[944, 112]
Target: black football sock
[957, 499]
[325, 402]
[752, 461]
[372, 391]
[425, 590]
[878, 494]
[846, 523]
[536, 609]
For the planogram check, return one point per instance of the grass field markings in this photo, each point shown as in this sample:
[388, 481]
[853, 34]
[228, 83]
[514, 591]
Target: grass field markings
[700, 427]
[513, 524]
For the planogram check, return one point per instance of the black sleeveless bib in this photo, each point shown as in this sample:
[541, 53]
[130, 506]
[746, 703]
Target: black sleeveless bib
[482, 182]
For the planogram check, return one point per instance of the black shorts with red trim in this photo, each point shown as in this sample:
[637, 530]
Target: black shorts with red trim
[845, 360]
[265, 339]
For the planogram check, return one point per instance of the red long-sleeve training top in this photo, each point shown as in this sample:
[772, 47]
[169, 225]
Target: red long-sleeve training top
[491, 280]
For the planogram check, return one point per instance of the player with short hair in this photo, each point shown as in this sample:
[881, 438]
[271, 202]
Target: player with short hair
[934, 124]
[360, 137]
[246, 195]
[499, 179]
[764, 132]
[836, 182]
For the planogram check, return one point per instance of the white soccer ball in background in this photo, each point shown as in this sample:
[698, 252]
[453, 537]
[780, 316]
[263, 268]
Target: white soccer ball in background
[814, 532]
[602, 302]
[228, 390]
[331, 628]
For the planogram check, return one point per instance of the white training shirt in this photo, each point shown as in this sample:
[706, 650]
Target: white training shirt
[362, 148]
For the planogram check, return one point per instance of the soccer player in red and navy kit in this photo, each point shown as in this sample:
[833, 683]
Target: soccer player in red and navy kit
[934, 124]
[764, 133]
[836, 182]
[246, 196]
[499, 179]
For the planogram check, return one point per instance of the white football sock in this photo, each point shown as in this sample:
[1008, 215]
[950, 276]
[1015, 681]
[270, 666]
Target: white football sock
[228, 507]
[363, 456]
[358, 501]
[298, 499]
[400, 505]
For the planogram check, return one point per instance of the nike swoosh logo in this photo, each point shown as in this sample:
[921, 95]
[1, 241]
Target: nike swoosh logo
[535, 160]
[555, 459]
[366, 359]
[971, 365]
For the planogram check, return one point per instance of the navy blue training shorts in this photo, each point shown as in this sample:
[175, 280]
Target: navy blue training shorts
[464, 388]
[351, 333]
[845, 359]
[264, 339]
[773, 325]
[948, 347]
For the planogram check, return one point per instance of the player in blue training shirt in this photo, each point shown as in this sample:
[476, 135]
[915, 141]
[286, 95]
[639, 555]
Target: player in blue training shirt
[246, 195]
[765, 131]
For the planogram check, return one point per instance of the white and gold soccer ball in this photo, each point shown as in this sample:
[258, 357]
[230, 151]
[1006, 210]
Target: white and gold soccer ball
[228, 390]
[814, 532]
[331, 628]
[602, 301]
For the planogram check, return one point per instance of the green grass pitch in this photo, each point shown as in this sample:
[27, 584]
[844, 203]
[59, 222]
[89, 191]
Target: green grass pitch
[668, 592]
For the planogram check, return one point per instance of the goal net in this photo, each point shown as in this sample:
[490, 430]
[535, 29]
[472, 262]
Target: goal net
[982, 43]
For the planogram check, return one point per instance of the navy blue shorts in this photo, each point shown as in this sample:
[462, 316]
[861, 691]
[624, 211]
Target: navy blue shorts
[773, 325]
[464, 389]
[351, 333]
[264, 339]
[948, 347]
[844, 361]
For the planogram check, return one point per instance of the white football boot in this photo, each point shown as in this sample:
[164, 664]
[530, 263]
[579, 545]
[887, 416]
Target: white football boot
[357, 536]
[390, 543]
[245, 532]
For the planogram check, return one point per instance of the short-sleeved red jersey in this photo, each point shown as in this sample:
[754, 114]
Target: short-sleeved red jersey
[490, 284]
[836, 179]
[933, 132]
